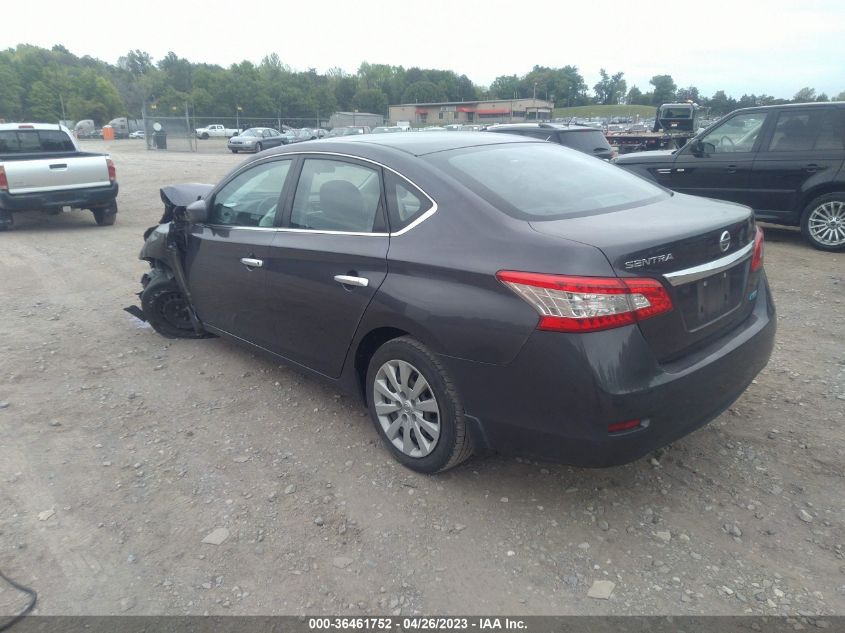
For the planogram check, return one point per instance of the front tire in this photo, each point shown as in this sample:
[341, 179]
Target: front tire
[415, 407]
[204, 136]
[234, 151]
[166, 309]
[105, 216]
[258, 148]
[823, 222]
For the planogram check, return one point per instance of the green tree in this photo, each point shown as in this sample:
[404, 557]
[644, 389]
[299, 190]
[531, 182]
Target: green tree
[689, 93]
[423, 92]
[504, 87]
[610, 89]
[664, 89]
[12, 92]
[805, 95]
[370, 100]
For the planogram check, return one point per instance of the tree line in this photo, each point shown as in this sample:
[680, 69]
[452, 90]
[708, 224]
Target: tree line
[48, 85]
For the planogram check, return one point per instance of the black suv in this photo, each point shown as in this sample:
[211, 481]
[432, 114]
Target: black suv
[585, 139]
[786, 162]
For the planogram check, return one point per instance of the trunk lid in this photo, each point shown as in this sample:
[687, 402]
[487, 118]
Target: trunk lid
[61, 172]
[680, 241]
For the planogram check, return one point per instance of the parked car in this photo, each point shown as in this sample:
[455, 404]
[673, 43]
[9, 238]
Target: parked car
[43, 169]
[785, 161]
[256, 139]
[386, 129]
[137, 134]
[350, 130]
[582, 138]
[479, 291]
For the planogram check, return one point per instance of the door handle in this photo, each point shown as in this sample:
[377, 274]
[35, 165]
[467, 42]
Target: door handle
[732, 169]
[249, 262]
[811, 168]
[348, 280]
[58, 166]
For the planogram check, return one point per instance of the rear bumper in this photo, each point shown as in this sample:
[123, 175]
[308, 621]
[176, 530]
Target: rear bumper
[556, 399]
[89, 198]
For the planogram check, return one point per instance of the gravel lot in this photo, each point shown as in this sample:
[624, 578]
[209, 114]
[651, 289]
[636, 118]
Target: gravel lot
[120, 451]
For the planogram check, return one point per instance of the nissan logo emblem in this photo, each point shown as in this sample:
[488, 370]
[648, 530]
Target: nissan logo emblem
[725, 241]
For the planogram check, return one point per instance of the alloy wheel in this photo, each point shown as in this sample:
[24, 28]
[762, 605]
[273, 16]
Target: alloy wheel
[406, 408]
[826, 223]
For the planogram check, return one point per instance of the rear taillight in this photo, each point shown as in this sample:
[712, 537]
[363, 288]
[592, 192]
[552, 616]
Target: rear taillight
[587, 304]
[4, 182]
[112, 172]
[757, 259]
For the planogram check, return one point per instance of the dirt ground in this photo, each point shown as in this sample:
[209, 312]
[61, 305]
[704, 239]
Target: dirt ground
[120, 451]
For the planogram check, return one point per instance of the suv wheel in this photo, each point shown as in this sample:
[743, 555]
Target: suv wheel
[823, 222]
[415, 407]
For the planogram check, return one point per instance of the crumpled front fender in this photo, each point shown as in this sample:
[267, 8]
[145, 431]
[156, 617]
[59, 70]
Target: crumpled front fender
[155, 246]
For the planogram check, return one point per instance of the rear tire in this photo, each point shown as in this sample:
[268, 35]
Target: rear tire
[234, 151]
[823, 222]
[166, 309]
[6, 221]
[105, 216]
[427, 431]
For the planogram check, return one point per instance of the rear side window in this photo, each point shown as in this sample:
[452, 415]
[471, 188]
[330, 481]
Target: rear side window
[822, 128]
[586, 142]
[405, 203]
[542, 181]
[34, 141]
[831, 130]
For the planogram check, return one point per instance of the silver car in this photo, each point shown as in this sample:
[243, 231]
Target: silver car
[256, 139]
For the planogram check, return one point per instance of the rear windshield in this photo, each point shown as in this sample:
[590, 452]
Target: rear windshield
[585, 141]
[33, 141]
[544, 181]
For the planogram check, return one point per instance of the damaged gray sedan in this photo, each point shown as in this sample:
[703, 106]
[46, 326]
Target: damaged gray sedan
[479, 291]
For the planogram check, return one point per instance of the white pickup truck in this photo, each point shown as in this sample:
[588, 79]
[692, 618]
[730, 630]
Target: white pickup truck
[43, 169]
[215, 130]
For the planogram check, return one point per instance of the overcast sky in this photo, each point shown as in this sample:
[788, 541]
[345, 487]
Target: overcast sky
[774, 47]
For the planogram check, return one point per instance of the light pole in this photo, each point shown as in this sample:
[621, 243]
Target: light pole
[535, 101]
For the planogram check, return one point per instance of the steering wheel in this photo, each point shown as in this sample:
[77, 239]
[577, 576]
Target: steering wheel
[729, 140]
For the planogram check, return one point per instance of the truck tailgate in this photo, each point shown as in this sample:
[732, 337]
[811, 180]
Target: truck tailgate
[52, 174]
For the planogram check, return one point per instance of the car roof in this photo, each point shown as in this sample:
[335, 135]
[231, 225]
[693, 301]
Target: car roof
[559, 127]
[792, 106]
[421, 144]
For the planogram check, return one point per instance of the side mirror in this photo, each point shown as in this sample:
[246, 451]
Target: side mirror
[197, 212]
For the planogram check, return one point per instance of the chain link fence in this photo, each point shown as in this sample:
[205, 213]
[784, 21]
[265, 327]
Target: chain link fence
[173, 132]
[179, 133]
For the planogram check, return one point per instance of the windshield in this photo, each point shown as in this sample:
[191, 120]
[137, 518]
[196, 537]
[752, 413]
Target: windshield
[253, 131]
[544, 181]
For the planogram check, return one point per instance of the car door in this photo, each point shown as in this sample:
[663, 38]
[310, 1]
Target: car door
[327, 262]
[723, 169]
[803, 150]
[225, 255]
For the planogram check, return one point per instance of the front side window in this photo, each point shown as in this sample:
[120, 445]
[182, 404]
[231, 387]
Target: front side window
[737, 134]
[333, 195]
[252, 197]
